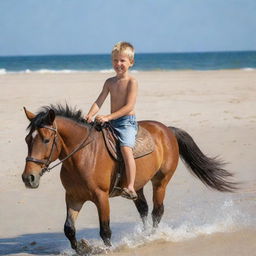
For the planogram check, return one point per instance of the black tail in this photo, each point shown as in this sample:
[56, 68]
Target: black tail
[209, 170]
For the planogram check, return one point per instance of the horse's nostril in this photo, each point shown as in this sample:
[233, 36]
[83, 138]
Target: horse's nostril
[32, 178]
[28, 179]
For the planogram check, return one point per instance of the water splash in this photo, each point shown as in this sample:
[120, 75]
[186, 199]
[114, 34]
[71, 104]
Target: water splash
[226, 218]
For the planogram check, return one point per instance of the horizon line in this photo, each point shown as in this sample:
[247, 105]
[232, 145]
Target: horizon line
[136, 53]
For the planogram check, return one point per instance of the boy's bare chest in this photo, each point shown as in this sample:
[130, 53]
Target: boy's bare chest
[118, 90]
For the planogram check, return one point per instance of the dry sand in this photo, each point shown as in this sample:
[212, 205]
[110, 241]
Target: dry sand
[218, 109]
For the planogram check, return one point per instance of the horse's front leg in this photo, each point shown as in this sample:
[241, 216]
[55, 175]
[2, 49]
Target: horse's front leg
[73, 209]
[102, 203]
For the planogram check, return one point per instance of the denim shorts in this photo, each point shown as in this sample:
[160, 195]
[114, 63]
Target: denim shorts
[126, 128]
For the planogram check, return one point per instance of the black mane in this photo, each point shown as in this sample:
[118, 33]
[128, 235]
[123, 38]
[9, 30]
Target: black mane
[65, 111]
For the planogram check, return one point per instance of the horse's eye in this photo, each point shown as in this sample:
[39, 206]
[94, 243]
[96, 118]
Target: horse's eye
[46, 141]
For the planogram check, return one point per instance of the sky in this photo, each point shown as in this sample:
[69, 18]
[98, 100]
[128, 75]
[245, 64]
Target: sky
[41, 27]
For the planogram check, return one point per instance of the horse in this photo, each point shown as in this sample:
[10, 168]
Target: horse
[88, 170]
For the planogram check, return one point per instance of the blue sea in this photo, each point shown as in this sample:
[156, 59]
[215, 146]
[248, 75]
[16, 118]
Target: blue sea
[143, 62]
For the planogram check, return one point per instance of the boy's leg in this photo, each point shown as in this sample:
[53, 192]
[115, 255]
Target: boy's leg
[130, 168]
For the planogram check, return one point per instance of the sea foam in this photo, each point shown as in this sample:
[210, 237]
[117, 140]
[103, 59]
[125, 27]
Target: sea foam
[2, 71]
[64, 71]
[248, 69]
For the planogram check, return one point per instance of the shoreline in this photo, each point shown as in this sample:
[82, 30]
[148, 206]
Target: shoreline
[110, 71]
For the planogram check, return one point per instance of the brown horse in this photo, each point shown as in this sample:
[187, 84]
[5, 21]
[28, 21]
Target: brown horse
[88, 170]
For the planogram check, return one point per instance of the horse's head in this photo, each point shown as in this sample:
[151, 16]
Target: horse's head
[43, 146]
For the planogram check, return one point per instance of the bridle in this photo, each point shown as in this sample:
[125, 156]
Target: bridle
[47, 162]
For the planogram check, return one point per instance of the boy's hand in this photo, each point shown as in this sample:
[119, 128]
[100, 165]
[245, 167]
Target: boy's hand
[88, 118]
[102, 119]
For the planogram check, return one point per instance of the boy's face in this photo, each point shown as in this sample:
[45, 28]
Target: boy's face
[121, 63]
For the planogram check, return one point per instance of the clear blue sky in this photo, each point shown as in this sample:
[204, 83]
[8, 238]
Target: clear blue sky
[93, 26]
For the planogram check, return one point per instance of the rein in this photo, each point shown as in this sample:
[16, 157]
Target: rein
[48, 161]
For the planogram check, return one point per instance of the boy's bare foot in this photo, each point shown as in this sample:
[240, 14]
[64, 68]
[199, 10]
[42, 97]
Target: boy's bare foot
[129, 194]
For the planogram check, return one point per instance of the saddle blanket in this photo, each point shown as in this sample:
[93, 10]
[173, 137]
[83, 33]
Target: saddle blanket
[144, 143]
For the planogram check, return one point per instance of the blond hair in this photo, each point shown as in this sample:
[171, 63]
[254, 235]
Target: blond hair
[124, 48]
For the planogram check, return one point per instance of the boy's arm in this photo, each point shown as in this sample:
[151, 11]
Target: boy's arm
[98, 103]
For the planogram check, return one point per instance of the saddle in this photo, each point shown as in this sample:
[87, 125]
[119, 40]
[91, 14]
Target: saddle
[144, 144]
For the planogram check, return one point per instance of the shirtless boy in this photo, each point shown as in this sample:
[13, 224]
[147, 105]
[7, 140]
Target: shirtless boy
[123, 93]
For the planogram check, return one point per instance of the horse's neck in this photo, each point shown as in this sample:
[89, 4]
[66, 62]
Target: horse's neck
[71, 133]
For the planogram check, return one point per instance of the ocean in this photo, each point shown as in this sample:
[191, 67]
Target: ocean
[143, 62]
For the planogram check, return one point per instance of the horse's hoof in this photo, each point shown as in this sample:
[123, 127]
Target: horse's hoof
[83, 248]
[107, 242]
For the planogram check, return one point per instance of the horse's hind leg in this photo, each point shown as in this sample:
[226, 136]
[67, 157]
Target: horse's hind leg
[142, 206]
[159, 182]
[73, 209]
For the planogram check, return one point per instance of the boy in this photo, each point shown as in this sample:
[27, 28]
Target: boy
[123, 93]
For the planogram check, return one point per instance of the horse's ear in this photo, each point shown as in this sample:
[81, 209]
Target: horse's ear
[29, 114]
[50, 116]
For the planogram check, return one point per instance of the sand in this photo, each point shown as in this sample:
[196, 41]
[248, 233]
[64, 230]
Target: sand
[217, 108]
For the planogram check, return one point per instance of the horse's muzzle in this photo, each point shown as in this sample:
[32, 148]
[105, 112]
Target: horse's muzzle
[31, 180]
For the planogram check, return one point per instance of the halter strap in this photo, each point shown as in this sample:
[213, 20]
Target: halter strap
[32, 159]
[45, 162]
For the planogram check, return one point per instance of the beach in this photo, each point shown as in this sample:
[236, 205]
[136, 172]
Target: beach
[217, 108]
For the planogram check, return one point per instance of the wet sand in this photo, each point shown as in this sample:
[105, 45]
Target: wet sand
[217, 108]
